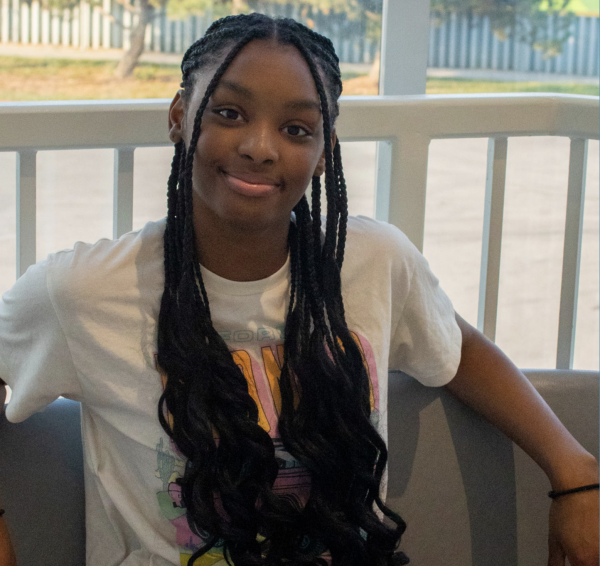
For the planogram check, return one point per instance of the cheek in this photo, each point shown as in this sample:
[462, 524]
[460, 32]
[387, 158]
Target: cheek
[303, 165]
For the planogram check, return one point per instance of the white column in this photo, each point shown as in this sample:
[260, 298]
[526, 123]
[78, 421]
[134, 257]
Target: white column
[106, 23]
[26, 187]
[581, 46]
[15, 22]
[35, 22]
[179, 48]
[592, 46]
[453, 43]
[506, 51]
[45, 26]
[25, 22]
[68, 36]
[127, 23]
[491, 244]
[402, 165]
[84, 25]
[55, 35]
[485, 41]
[148, 34]
[572, 254]
[464, 38]
[404, 46]
[474, 42]
[123, 192]
[168, 35]
[5, 32]
[76, 27]
[495, 52]
[96, 23]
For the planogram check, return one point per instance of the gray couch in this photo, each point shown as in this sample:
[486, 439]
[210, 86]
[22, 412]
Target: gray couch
[469, 496]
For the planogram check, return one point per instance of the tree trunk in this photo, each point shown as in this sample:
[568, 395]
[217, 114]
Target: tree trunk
[136, 47]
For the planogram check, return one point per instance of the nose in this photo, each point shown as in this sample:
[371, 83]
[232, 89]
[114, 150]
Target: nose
[259, 144]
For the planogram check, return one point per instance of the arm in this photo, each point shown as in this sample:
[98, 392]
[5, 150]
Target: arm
[491, 384]
[7, 553]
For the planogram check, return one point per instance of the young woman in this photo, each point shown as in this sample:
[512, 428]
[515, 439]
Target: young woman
[232, 361]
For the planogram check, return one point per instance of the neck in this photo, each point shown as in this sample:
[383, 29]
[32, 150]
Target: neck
[241, 253]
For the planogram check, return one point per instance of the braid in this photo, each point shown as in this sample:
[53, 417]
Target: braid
[325, 399]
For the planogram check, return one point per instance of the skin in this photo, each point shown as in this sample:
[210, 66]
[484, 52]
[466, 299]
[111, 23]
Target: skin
[244, 238]
[7, 553]
[251, 128]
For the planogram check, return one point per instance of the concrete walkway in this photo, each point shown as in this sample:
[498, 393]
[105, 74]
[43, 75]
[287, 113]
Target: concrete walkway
[59, 52]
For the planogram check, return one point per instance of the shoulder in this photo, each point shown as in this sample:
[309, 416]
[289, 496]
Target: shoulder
[373, 241]
[106, 265]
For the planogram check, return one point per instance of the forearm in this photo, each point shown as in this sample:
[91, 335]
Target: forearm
[7, 553]
[491, 384]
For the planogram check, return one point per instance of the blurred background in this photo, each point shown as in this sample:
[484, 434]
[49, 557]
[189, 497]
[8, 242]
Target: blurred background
[122, 49]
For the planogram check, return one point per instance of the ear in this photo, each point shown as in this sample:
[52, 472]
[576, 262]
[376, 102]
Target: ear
[176, 118]
[320, 168]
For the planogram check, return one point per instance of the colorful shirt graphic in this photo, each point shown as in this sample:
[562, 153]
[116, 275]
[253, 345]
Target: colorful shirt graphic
[293, 480]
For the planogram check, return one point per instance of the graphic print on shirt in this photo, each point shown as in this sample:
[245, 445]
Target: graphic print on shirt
[293, 480]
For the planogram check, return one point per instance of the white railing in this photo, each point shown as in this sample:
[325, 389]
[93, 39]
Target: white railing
[405, 125]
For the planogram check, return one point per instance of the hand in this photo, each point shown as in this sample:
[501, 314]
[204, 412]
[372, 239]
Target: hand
[573, 529]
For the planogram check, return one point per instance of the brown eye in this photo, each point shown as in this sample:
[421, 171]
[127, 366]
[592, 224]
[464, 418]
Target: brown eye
[228, 113]
[296, 131]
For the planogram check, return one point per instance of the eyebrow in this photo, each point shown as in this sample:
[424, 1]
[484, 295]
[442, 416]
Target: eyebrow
[300, 104]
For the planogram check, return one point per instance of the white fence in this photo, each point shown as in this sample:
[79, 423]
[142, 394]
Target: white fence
[406, 125]
[467, 42]
[458, 41]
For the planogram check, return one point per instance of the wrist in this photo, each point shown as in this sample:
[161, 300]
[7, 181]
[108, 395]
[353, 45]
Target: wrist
[575, 472]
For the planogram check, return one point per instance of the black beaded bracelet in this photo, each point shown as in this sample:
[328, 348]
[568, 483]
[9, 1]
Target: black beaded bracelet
[2, 511]
[555, 494]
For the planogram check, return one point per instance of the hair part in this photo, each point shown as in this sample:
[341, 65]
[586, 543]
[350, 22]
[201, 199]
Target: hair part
[325, 421]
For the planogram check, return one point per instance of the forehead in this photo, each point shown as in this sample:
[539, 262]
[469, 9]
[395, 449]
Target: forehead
[264, 69]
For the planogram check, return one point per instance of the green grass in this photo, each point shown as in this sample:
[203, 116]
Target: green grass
[75, 79]
[467, 86]
[347, 75]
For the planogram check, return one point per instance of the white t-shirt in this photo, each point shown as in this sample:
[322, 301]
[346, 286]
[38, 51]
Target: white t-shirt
[83, 324]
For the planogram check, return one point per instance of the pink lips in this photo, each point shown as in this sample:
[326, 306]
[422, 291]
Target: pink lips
[251, 189]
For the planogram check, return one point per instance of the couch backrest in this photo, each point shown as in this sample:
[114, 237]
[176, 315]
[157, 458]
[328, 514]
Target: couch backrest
[468, 495]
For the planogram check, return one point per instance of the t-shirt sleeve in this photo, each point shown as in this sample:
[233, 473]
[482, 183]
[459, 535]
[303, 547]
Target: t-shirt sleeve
[426, 341]
[35, 360]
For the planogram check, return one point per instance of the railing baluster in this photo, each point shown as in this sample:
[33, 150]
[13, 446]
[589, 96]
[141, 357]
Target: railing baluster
[571, 254]
[491, 245]
[123, 192]
[408, 183]
[25, 210]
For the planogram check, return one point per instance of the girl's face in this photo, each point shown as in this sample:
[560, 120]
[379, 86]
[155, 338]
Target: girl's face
[261, 140]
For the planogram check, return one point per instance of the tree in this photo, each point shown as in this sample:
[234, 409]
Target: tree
[182, 9]
[146, 10]
[526, 19]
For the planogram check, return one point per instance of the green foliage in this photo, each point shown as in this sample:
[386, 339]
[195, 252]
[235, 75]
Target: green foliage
[367, 10]
[526, 20]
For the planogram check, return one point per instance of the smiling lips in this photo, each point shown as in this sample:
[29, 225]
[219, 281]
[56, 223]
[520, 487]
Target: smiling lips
[251, 186]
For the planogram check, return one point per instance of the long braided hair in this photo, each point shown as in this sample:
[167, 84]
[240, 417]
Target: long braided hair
[325, 413]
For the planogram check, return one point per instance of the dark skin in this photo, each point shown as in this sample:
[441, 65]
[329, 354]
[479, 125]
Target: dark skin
[7, 553]
[271, 129]
[251, 132]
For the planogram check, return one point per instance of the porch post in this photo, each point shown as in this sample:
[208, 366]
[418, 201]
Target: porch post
[404, 47]
[400, 184]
